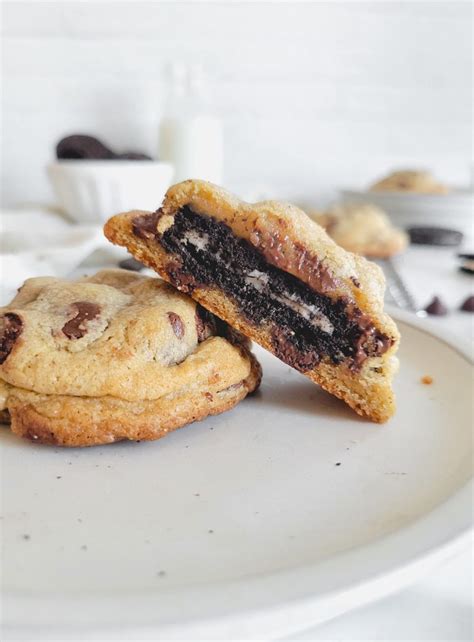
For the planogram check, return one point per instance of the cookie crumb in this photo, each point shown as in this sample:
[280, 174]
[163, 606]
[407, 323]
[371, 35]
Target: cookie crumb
[161, 573]
[338, 463]
[58, 477]
[26, 537]
[210, 531]
[83, 547]
[427, 380]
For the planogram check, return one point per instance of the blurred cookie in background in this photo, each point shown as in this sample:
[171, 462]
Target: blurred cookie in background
[362, 228]
[409, 180]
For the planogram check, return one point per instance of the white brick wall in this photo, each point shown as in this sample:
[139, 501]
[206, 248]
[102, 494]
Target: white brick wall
[313, 95]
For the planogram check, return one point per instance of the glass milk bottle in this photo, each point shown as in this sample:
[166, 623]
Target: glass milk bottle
[190, 132]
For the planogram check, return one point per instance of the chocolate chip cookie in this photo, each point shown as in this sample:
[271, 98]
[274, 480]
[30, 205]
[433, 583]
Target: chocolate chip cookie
[362, 228]
[410, 180]
[276, 276]
[115, 356]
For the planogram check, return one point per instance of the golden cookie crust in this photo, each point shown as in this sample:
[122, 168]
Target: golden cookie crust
[283, 234]
[64, 420]
[142, 361]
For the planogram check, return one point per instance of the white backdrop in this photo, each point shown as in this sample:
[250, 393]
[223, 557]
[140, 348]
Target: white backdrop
[312, 95]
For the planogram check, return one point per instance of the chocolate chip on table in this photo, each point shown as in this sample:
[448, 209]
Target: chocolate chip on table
[131, 264]
[468, 304]
[435, 236]
[436, 307]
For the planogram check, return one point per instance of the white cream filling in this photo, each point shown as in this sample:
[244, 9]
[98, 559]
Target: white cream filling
[259, 281]
[198, 240]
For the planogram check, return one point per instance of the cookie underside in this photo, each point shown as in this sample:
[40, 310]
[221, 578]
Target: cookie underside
[327, 338]
[87, 421]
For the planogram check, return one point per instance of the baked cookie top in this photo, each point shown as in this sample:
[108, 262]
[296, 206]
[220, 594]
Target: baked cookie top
[115, 333]
[410, 180]
[362, 228]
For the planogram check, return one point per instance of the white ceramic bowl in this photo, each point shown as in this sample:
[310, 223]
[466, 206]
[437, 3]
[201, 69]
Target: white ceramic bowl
[453, 210]
[92, 191]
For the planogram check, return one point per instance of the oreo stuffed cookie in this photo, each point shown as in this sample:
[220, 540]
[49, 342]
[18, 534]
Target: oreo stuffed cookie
[115, 356]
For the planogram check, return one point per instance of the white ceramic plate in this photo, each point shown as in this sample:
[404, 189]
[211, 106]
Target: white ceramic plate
[244, 524]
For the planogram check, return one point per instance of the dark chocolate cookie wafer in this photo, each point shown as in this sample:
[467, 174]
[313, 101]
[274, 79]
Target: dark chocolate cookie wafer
[80, 146]
[435, 236]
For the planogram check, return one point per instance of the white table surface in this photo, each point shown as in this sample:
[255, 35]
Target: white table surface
[439, 606]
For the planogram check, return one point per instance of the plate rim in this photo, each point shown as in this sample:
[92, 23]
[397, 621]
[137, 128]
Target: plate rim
[393, 570]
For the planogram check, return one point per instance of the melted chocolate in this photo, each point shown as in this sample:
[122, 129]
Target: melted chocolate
[177, 324]
[11, 325]
[83, 311]
[205, 323]
[307, 325]
[144, 226]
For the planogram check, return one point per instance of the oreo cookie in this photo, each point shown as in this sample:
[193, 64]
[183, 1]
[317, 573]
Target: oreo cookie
[81, 146]
[435, 236]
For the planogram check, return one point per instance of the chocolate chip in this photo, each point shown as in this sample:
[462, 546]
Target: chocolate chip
[205, 323]
[434, 236]
[355, 281]
[144, 225]
[131, 264]
[80, 146]
[182, 280]
[11, 326]
[436, 307]
[83, 312]
[177, 324]
[468, 304]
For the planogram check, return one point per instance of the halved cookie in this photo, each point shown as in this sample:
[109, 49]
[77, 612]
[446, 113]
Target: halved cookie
[274, 275]
[115, 356]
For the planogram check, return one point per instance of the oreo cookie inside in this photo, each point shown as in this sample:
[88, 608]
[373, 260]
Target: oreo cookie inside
[306, 326]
